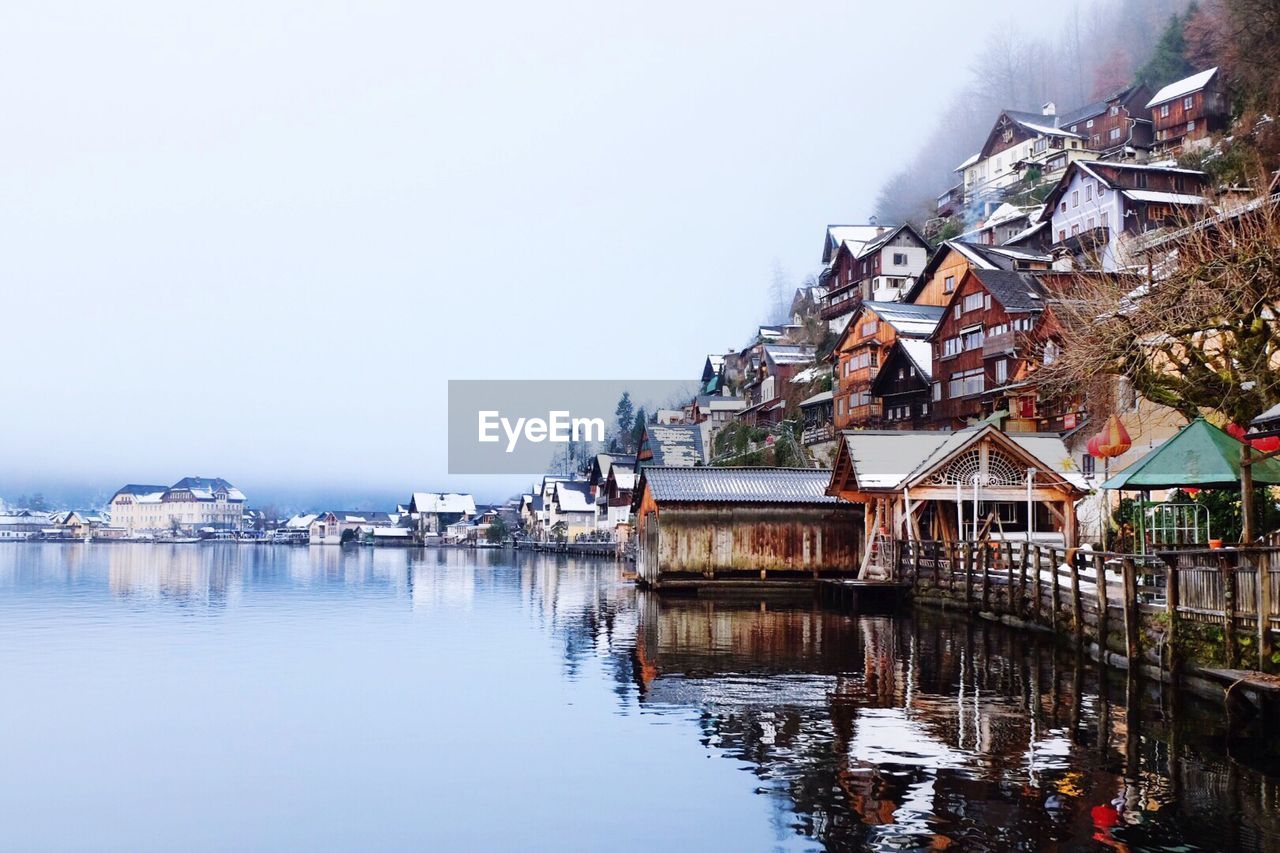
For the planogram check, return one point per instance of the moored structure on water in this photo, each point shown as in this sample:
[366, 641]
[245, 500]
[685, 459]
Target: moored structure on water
[698, 527]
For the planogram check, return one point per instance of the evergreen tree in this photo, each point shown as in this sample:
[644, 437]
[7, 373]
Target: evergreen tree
[637, 428]
[624, 417]
[1168, 61]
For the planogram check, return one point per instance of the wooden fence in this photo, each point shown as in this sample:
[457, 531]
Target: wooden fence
[1111, 598]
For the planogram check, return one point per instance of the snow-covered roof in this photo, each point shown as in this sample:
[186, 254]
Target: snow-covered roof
[447, 502]
[908, 318]
[573, 497]
[816, 398]
[624, 477]
[967, 163]
[300, 522]
[921, 354]
[1185, 86]
[1162, 197]
[789, 354]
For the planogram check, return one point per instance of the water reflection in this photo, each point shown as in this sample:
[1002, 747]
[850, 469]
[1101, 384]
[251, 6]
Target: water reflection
[901, 733]
[395, 681]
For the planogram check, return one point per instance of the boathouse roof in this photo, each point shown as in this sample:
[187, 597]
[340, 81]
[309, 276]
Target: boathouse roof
[738, 485]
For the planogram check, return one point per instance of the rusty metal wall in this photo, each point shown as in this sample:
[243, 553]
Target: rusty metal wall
[706, 539]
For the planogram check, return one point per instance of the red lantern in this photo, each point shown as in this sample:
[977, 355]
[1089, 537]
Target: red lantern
[1191, 491]
[1267, 444]
[1236, 431]
[1092, 447]
[1112, 441]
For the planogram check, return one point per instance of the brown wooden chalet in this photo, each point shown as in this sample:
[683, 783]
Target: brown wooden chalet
[868, 262]
[1114, 123]
[1187, 111]
[994, 332]
[903, 385]
[862, 349]
[956, 257]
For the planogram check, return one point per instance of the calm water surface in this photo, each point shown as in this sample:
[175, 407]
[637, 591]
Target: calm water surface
[224, 697]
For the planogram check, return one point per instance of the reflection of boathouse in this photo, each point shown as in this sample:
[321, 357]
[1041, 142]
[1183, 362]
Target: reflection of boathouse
[699, 526]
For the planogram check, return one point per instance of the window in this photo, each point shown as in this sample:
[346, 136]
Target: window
[1115, 134]
[902, 373]
[1088, 192]
[874, 358]
[965, 383]
[1075, 198]
[1089, 223]
[1002, 371]
[1050, 352]
[899, 259]
[972, 338]
[870, 327]
[1191, 125]
[1104, 219]
[937, 391]
[1062, 208]
[951, 346]
[1188, 102]
[1074, 127]
[1086, 466]
[1062, 234]
[1040, 145]
[949, 284]
[924, 407]
[1075, 229]
[973, 302]
[957, 312]
[1115, 111]
[1164, 111]
[1089, 123]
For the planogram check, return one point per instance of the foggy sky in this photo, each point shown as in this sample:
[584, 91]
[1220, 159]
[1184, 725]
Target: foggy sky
[254, 240]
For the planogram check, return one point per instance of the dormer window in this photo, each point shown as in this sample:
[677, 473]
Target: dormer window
[1115, 111]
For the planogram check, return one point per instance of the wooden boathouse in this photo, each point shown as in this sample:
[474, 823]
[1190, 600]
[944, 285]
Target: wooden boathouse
[708, 527]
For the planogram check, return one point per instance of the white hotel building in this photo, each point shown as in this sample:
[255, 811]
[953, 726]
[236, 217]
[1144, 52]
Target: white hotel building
[188, 505]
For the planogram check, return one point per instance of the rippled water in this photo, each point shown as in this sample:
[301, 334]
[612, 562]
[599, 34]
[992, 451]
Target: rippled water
[224, 697]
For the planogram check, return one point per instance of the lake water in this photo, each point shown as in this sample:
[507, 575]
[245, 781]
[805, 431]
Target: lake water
[223, 697]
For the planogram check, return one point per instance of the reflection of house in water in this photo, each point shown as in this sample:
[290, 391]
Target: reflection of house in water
[184, 574]
[897, 732]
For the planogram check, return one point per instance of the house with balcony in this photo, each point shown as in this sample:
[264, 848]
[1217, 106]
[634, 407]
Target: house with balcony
[1020, 145]
[868, 263]
[862, 349]
[902, 386]
[1185, 112]
[1117, 126]
[995, 331]
[1098, 208]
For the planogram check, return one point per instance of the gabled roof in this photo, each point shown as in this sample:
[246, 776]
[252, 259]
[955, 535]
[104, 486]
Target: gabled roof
[789, 354]
[1200, 456]
[907, 318]
[920, 353]
[204, 488]
[738, 485]
[838, 235]
[573, 497]
[1015, 291]
[916, 354]
[137, 490]
[442, 502]
[1097, 108]
[978, 255]
[1097, 169]
[1185, 86]
[671, 444]
[890, 460]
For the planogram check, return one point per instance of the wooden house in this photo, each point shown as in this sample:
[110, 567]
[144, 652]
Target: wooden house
[993, 334]
[970, 485]
[699, 526]
[817, 414]
[1019, 144]
[867, 262]
[904, 385]
[862, 348]
[956, 257]
[1184, 113]
[1116, 124]
[1097, 208]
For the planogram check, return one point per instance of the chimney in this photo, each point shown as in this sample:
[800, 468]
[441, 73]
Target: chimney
[1049, 109]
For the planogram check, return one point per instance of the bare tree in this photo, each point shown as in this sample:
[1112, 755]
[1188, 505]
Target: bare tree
[1197, 331]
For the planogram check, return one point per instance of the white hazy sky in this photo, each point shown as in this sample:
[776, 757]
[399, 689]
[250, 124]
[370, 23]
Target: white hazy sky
[255, 239]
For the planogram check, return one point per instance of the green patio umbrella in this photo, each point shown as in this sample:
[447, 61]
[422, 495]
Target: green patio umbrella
[1200, 456]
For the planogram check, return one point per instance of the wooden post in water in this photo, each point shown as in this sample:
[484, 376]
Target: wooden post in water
[1100, 573]
[1264, 610]
[1228, 574]
[1013, 587]
[1077, 618]
[1131, 644]
[984, 560]
[915, 562]
[1054, 595]
[1172, 593]
[1038, 606]
[968, 573]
